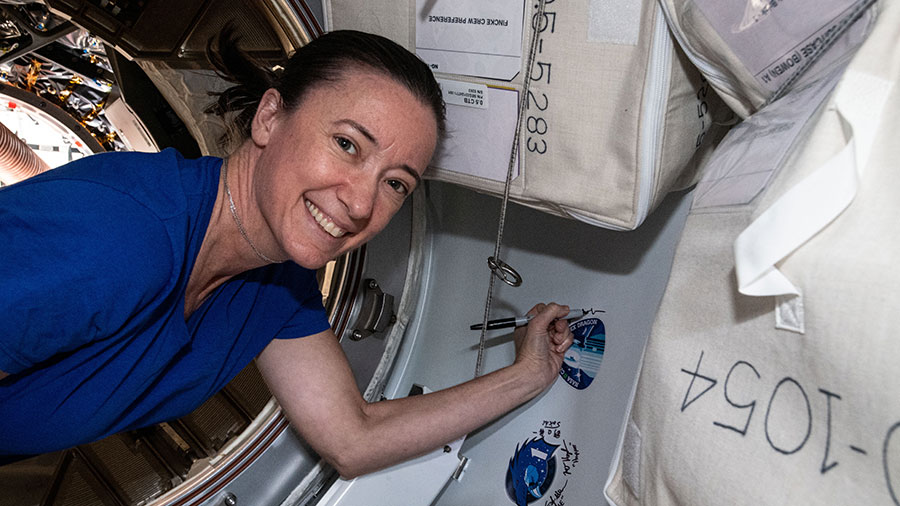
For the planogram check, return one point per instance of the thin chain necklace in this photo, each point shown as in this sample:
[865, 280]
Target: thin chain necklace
[237, 220]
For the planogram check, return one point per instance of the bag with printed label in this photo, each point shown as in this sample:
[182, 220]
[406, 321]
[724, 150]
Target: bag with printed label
[753, 51]
[615, 115]
[770, 376]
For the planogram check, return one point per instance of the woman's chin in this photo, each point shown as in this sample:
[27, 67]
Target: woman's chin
[313, 260]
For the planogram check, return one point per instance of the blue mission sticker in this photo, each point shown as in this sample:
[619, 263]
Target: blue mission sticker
[531, 471]
[582, 360]
[541, 467]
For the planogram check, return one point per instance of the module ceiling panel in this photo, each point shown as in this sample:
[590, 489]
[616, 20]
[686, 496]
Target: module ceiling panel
[173, 30]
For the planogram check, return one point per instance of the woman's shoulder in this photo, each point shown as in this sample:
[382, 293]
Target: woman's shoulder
[124, 208]
[163, 182]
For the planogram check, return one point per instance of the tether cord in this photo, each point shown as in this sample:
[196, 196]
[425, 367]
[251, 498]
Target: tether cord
[495, 262]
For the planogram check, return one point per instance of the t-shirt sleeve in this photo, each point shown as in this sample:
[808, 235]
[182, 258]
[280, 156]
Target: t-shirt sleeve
[310, 317]
[77, 259]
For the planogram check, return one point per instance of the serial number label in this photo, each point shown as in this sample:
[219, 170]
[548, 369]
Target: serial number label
[465, 94]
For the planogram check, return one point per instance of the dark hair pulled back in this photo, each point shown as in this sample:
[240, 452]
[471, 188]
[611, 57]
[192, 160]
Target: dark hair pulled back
[323, 60]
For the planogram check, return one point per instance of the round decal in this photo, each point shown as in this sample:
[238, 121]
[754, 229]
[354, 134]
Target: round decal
[582, 360]
[531, 471]
[542, 466]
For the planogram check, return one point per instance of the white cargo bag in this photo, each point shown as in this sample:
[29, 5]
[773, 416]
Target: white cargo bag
[616, 115]
[771, 375]
[753, 51]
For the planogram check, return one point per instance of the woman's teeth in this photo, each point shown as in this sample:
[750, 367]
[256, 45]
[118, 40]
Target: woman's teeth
[324, 222]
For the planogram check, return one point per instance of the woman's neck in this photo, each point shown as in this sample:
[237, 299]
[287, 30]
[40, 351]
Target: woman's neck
[224, 253]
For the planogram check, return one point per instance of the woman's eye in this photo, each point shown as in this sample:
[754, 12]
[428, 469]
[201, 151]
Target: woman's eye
[345, 145]
[398, 186]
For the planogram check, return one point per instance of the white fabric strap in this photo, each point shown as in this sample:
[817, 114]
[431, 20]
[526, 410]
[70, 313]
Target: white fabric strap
[818, 199]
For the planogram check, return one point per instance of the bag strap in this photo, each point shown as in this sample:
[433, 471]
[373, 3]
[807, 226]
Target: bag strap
[811, 205]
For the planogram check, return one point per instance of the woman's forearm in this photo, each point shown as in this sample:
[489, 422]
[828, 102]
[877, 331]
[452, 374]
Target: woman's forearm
[312, 380]
[399, 429]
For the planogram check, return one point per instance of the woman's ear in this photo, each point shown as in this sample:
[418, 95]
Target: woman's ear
[267, 115]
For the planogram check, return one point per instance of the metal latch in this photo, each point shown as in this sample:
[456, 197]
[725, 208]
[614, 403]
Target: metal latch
[460, 468]
[377, 311]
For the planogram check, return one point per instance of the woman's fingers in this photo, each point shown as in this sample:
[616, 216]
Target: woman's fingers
[547, 313]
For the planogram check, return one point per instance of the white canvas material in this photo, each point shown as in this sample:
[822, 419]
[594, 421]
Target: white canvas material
[610, 127]
[752, 51]
[734, 405]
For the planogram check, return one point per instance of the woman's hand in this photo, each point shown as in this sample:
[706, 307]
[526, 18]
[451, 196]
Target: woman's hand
[542, 344]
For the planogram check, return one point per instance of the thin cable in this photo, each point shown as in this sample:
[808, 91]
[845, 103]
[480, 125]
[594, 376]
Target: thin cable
[495, 260]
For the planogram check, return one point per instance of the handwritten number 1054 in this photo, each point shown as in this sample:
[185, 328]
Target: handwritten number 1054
[788, 424]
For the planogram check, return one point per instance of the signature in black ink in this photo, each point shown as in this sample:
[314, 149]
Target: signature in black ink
[570, 456]
[554, 433]
[556, 499]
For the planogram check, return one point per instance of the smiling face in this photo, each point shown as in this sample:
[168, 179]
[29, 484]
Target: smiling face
[333, 171]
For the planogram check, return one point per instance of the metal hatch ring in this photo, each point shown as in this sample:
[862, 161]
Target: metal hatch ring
[503, 271]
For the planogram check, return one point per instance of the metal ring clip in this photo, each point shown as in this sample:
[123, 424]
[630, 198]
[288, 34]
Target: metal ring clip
[503, 271]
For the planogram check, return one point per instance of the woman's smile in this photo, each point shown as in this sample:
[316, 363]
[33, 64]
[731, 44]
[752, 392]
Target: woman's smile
[324, 221]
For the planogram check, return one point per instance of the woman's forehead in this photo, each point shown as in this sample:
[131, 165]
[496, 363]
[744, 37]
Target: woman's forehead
[360, 82]
[367, 97]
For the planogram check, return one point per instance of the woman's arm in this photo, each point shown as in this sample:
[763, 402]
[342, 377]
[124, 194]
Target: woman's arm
[313, 382]
[3, 375]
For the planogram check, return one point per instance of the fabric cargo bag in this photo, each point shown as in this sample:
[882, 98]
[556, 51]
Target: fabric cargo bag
[753, 51]
[771, 375]
[616, 115]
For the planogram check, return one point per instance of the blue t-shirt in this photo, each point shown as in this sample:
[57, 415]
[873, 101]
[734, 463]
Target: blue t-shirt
[94, 261]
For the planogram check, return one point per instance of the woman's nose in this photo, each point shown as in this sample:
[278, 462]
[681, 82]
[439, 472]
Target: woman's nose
[358, 195]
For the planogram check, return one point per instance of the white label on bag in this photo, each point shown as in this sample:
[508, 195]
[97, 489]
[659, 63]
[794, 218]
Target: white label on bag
[753, 151]
[775, 38]
[464, 94]
[479, 140]
[471, 37]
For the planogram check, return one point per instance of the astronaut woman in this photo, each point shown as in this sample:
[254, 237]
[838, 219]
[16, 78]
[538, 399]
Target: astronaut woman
[134, 286]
